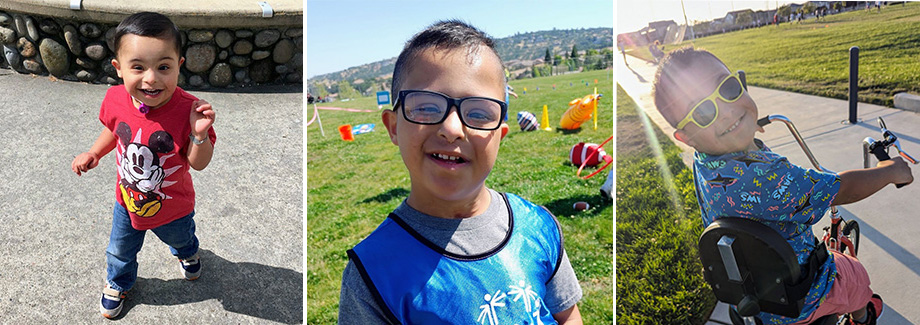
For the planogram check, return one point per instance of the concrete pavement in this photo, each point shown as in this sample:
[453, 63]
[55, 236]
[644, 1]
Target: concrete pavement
[889, 248]
[54, 225]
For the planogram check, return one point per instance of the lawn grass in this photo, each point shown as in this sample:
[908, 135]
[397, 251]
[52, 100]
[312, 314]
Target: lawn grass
[659, 276]
[352, 186]
[812, 57]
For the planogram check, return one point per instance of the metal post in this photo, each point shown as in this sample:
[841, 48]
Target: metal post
[854, 82]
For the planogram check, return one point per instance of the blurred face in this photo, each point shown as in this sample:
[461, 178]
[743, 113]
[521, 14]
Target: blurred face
[735, 121]
[448, 162]
[149, 67]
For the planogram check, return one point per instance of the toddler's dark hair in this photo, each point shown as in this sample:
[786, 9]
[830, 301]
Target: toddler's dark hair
[442, 35]
[148, 24]
[677, 60]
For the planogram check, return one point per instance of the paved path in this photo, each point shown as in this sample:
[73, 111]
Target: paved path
[888, 220]
[54, 226]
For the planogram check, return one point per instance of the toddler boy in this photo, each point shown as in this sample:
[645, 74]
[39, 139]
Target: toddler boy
[737, 175]
[159, 131]
[456, 251]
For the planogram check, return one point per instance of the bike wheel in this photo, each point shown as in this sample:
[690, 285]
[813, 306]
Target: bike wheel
[851, 231]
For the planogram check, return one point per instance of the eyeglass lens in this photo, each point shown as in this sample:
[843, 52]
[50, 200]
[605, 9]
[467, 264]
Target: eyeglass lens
[424, 107]
[705, 113]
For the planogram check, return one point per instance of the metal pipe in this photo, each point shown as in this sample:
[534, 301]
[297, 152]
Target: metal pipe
[854, 82]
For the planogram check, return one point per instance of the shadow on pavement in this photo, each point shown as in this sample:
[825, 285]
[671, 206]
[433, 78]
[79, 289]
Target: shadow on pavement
[891, 247]
[256, 290]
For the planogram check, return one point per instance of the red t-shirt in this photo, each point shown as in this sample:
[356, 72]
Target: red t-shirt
[153, 182]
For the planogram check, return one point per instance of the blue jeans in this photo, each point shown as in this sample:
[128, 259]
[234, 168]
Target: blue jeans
[125, 242]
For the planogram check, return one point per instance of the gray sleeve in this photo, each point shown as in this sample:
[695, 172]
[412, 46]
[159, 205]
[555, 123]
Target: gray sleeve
[563, 290]
[356, 305]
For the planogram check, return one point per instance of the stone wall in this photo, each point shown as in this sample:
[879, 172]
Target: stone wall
[73, 50]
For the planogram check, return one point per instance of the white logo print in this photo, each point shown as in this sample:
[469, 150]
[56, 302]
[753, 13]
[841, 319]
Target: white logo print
[488, 310]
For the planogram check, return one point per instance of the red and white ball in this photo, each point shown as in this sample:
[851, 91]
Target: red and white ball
[581, 206]
[585, 151]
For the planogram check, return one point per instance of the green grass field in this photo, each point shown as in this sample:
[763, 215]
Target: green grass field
[812, 57]
[352, 186]
[659, 277]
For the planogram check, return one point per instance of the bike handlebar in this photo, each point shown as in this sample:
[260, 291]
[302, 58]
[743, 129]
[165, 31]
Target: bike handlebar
[879, 148]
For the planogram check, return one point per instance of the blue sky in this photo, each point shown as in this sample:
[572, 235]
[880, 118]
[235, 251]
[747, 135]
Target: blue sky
[343, 34]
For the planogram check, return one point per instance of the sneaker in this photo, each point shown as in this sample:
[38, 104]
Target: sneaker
[873, 311]
[112, 300]
[191, 267]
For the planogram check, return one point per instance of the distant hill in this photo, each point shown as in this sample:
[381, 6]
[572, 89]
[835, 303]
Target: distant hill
[518, 52]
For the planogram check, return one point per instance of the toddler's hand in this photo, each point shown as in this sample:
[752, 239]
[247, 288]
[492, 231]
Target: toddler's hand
[201, 118]
[899, 170]
[84, 162]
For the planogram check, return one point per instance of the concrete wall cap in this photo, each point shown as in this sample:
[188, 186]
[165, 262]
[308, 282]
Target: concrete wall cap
[907, 101]
[186, 14]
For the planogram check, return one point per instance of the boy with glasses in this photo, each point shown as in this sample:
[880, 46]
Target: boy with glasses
[737, 175]
[456, 251]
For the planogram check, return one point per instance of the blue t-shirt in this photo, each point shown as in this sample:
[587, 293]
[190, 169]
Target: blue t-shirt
[763, 186]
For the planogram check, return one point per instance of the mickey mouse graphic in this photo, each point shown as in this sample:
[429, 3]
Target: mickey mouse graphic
[141, 171]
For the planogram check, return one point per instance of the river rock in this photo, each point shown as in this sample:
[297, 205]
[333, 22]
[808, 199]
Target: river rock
[195, 81]
[183, 81]
[110, 80]
[223, 55]
[26, 47]
[267, 37]
[90, 30]
[241, 76]
[200, 35]
[283, 52]
[20, 25]
[7, 36]
[6, 20]
[86, 63]
[293, 32]
[109, 69]
[96, 51]
[221, 75]
[299, 43]
[31, 29]
[200, 57]
[292, 78]
[110, 39]
[282, 69]
[223, 38]
[73, 40]
[259, 55]
[32, 66]
[12, 56]
[262, 71]
[50, 27]
[240, 61]
[242, 47]
[86, 75]
[54, 56]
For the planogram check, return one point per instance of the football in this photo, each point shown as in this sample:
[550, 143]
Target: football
[581, 206]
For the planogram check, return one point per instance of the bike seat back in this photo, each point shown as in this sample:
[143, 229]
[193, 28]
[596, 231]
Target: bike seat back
[750, 265]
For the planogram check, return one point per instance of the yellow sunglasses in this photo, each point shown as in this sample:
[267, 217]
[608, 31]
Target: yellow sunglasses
[704, 113]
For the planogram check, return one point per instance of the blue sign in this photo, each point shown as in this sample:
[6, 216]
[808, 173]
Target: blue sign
[383, 97]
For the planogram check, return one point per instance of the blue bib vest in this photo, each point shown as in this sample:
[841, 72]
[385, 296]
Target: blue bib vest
[417, 282]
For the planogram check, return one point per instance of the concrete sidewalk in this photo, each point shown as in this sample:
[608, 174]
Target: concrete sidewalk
[54, 225]
[889, 248]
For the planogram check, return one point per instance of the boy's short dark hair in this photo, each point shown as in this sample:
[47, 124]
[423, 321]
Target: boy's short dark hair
[677, 60]
[148, 24]
[443, 35]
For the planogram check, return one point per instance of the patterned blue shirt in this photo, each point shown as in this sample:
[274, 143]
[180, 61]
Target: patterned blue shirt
[763, 186]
